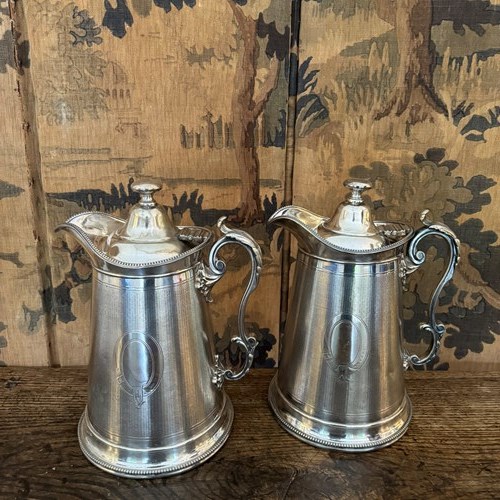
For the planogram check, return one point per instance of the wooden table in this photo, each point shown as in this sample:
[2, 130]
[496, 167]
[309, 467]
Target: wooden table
[451, 450]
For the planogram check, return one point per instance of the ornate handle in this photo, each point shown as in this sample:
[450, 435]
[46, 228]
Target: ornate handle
[206, 279]
[414, 260]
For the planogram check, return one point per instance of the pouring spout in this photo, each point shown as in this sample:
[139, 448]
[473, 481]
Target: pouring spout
[88, 228]
[82, 239]
[302, 223]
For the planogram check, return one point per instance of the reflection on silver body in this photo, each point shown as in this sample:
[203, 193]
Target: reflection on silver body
[156, 405]
[340, 379]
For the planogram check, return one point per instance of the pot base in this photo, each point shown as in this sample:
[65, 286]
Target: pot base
[155, 462]
[336, 436]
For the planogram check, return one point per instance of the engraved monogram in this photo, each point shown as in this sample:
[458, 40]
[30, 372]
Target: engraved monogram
[346, 345]
[139, 363]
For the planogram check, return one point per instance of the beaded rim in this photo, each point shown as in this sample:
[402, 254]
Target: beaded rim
[380, 224]
[158, 471]
[365, 445]
[207, 236]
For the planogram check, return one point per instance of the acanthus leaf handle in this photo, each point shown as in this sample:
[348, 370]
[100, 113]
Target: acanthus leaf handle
[414, 259]
[208, 276]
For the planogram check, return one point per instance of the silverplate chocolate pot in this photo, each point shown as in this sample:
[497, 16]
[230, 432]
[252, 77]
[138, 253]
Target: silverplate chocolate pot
[340, 378]
[155, 400]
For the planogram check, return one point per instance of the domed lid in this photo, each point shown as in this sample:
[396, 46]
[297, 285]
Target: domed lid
[352, 227]
[148, 234]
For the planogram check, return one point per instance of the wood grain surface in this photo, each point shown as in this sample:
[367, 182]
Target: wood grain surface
[451, 450]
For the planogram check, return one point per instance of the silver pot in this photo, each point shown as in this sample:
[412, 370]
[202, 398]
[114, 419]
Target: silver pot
[155, 400]
[340, 379]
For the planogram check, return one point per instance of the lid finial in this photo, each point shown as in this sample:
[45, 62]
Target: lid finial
[146, 190]
[357, 188]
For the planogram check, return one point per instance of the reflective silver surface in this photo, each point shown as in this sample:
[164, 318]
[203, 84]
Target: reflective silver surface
[352, 226]
[147, 236]
[156, 406]
[340, 379]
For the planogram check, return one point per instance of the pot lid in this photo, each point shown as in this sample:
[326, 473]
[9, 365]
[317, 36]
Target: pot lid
[352, 226]
[148, 235]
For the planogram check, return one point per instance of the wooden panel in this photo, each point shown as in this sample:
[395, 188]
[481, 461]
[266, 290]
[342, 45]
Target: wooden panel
[126, 90]
[406, 94]
[23, 334]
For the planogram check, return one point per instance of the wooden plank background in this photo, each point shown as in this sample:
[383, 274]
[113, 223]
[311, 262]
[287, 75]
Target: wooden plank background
[97, 93]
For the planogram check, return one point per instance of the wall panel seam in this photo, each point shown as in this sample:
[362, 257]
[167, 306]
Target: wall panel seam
[290, 154]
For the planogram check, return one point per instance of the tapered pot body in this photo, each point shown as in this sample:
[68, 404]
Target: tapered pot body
[340, 380]
[153, 408]
[156, 406]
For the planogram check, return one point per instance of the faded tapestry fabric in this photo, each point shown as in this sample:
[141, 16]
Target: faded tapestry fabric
[405, 94]
[238, 107]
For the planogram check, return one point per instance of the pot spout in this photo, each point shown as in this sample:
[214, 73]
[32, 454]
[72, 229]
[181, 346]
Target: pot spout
[88, 229]
[302, 223]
